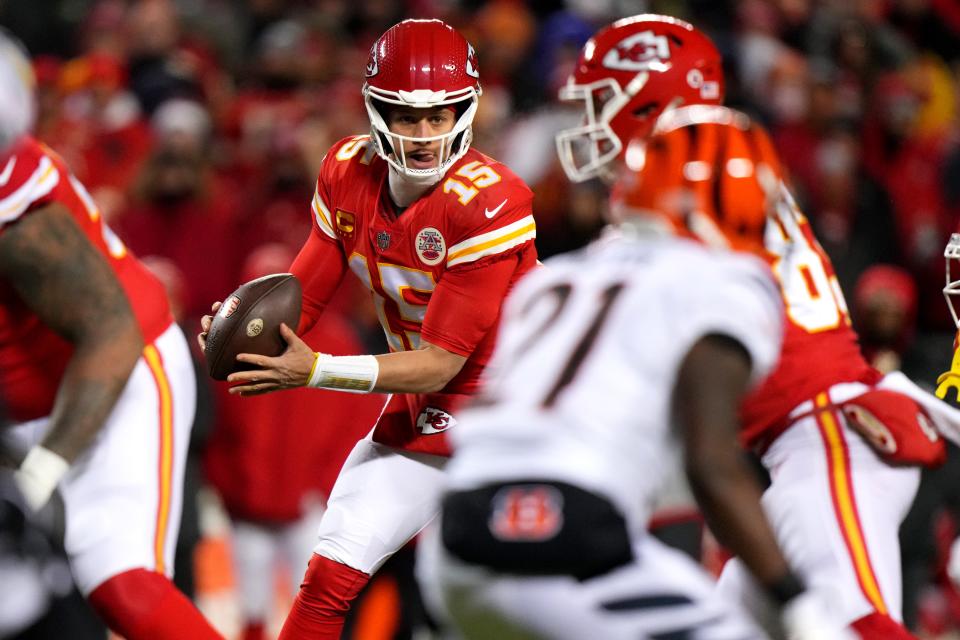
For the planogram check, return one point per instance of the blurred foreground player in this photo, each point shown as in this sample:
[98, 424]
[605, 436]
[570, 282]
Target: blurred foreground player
[439, 233]
[608, 359]
[96, 377]
[843, 444]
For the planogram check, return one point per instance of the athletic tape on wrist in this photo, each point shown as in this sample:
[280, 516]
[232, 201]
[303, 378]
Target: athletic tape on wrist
[39, 475]
[355, 374]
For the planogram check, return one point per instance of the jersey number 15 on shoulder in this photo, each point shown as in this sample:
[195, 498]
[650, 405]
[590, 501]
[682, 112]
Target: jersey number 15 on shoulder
[479, 175]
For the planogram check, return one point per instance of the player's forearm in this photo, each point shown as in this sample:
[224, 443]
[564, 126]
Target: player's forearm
[425, 370]
[711, 381]
[729, 498]
[91, 384]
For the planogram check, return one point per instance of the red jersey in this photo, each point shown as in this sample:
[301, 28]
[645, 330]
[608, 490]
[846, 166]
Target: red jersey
[438, 271]
[33, 357]
[820, 348]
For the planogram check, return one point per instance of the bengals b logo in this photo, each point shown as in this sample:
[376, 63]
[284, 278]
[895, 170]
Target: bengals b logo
[528, 513]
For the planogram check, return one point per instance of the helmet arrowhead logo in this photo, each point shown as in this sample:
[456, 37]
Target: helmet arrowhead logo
[472, 62]
[372, 67]
[637, 52]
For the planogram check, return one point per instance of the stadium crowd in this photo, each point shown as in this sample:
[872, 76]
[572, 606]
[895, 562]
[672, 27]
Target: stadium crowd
[199, 127]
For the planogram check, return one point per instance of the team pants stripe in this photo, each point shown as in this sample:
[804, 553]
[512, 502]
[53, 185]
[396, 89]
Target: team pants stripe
[165, 457]
[844, 502]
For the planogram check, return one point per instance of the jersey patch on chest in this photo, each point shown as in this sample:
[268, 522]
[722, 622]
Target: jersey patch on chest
[430, 245]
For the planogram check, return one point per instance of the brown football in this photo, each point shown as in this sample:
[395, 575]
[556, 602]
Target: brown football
[249, 322]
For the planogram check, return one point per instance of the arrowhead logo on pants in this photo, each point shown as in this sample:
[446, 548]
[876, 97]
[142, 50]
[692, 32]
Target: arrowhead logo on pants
[432, 420]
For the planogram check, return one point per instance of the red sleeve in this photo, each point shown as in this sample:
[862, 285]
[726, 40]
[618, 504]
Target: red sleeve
[320, 266]
[466, 304]
[29, 176]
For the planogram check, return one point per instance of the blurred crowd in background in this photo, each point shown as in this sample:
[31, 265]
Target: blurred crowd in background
[199, 126]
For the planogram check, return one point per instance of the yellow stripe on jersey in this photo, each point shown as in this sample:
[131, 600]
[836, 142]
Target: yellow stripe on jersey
[45, 177]
[165, 456]
[492, 242]
[845, 504]
[322, 214]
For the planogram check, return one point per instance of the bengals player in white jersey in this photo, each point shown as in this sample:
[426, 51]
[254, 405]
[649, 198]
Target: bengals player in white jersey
[843, 444]
[97, 379]
[608, 359]
[439, 233]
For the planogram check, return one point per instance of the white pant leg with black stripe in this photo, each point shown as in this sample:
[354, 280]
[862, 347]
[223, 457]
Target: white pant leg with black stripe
[661, 594]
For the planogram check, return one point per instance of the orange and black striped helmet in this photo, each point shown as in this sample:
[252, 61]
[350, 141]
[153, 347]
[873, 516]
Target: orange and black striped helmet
[707, 172]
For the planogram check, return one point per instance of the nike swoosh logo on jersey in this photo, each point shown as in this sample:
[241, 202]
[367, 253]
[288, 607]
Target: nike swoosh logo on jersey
[7, 172]
[490, 213]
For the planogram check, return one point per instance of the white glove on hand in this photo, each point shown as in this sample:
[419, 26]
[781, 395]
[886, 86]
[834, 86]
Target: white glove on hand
[38, 476]
[806, 617]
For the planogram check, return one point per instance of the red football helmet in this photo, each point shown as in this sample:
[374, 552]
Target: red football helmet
[423, 64]
[628, 74]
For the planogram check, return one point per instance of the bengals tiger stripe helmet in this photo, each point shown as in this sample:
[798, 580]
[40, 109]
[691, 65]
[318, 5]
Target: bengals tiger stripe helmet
[707, 172]
[628, 74]
[422, 64]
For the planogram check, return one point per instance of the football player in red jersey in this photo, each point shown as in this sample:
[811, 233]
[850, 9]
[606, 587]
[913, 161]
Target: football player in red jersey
[439, 233]
[97, 379]
[843, 444]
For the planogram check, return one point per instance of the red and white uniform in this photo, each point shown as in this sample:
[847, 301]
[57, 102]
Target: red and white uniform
[123, 495]
[438, 271]
[834, 501]
[32, 357]
[820, 347]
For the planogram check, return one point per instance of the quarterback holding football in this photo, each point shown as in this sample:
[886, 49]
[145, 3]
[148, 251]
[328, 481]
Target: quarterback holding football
[438, 232]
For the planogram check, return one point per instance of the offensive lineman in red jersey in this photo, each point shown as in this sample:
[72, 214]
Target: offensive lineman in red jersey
[439, 232]
[843, 444]
[97, 379]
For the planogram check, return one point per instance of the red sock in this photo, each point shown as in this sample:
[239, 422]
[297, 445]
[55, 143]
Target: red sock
[254, 631]
[321, 606]
[878, 625]
[144, 605]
